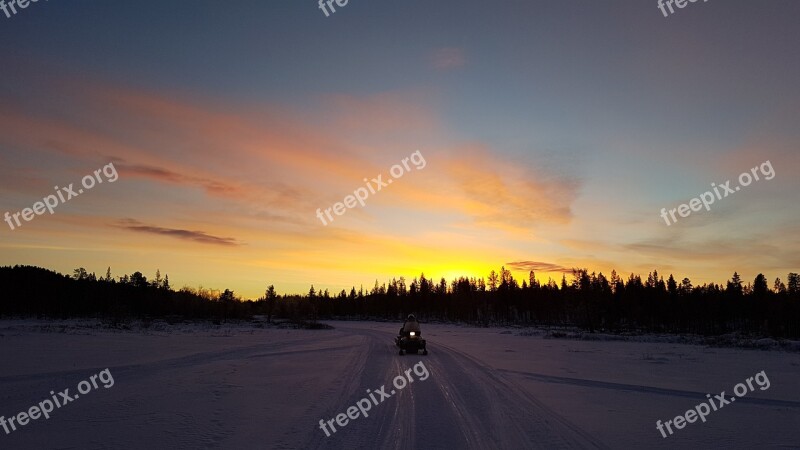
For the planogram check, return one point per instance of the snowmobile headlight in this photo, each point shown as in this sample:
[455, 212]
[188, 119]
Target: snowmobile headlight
[413, 333]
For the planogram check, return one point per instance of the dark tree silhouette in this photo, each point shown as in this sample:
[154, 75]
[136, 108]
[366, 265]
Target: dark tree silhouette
[589, 300]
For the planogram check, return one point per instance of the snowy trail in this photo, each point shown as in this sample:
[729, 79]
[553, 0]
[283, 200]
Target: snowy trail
[518, 420]
[244, 387]
[464, 404]
[649, 389]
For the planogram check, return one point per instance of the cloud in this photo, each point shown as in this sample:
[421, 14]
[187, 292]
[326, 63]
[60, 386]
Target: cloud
[196, 236]
[510, 194]
[538, 266]
[265, 167]
[219, 188]
[448, 58]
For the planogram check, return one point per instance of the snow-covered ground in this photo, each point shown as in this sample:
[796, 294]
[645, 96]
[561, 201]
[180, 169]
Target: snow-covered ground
[241, 386]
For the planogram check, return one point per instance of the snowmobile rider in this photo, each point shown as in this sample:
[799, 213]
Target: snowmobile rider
[410, 325]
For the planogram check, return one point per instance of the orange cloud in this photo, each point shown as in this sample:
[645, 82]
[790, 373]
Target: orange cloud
[527, 266]
[509, 193]
[259, 175]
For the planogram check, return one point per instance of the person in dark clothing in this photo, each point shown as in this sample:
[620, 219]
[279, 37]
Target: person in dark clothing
[411, 324]
[410, 338]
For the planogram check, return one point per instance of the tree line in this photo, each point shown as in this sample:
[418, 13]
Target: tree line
[592, 302]
[34, 291]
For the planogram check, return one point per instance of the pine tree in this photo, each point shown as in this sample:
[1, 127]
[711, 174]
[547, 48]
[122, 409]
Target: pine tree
[760, 288]
[271, 297]
[779, 287]
[734, 286]
[672, 286]
[793, 283]
[79, 274]
[686, 287]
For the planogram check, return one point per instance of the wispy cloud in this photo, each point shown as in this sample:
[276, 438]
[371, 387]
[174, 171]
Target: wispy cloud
[538, 266]
[448, 58]
[215, 187]
[196, 236]
[510, 194]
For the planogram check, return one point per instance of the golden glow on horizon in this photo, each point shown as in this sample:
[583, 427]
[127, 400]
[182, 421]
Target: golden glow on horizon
[255, 179]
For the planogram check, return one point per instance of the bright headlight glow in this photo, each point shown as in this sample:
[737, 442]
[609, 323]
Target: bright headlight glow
[413, 333]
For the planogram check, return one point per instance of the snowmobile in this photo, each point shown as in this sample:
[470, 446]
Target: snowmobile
[412, 342]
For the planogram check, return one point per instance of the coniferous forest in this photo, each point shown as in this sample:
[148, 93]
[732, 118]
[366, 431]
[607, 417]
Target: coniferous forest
[586, 300]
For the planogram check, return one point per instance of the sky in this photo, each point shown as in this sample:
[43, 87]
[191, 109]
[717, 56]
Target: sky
[552, 133]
